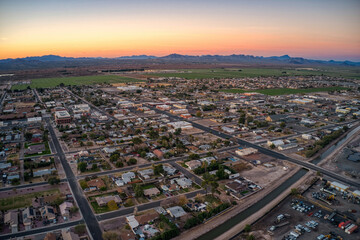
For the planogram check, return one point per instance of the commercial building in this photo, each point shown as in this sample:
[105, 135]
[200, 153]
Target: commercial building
[62, 117]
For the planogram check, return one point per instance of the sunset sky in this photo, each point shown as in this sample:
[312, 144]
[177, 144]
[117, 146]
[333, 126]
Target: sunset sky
[318, 29]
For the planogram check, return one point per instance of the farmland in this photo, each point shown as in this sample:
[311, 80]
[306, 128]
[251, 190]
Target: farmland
[84, 80]
[256, 72]
[284, 91]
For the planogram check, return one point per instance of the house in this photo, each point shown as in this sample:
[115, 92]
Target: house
[158, 153]
[69, 235]
[133, 223]
[169, 170]
[103, 201]
[276, 143]
[28, 215]
[96, 183]
[193, 164]
[287, 146]
[65, 209]
[246, 151]
[151, 192]
[43, 172]
[11, 219]
[276, 118]
[146, 173]
[339, 186]
[184, 182]
[50, 236]
[176, 212]
[127, 177]
[148, 217]
[47, 212]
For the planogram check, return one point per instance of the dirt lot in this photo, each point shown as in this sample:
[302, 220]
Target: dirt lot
[265, 176]
[296, 217]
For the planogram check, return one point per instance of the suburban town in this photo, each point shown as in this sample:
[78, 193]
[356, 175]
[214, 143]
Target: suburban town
[179, 120]
[154, 158]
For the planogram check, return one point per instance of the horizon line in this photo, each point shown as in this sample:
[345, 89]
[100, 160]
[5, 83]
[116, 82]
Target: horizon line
[195, 55]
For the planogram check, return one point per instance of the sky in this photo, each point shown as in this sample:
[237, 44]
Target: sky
[317, 29]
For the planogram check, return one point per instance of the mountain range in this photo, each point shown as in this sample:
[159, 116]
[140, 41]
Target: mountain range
[58, 61]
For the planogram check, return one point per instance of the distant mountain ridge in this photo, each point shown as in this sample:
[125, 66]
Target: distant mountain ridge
[58, 61]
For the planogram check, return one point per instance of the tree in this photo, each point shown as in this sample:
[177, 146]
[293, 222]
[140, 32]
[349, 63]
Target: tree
[282, 124]
[294, 191]
[132, 161]
[110, 236]
[114, 157]
[112, 205]
[82, 166]
[177, 131]
[53, 180]
[83, 184]
[94, 167]
[183, 200]
[272, 146]
[198, 114]
[28, 136]
[158, 169]
[119, 164]
[139, 192]
[247, 228]
[137, 141]
[80, 229]
[250, 237]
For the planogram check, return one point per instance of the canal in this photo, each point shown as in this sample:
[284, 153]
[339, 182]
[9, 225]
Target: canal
[272, 195]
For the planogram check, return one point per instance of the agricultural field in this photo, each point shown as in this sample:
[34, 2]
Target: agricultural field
[83, 80]
[284, 91]
[257, 72]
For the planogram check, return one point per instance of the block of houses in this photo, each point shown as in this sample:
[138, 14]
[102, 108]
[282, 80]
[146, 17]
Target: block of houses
[151, 192]
[193, 164]
[103, 201]
[65, 209]
[176, 211]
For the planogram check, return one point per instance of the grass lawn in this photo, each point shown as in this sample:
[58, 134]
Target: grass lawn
[83, 80]
[148, 186]
[284, 91]
[257, 72]
[98, 209]
[25, 200]
[103, 195]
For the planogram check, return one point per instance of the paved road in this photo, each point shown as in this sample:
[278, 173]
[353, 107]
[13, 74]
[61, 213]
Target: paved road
[82, 202]
[265, 151]
[129, 168]
[146, 206]
[34, 231]
[27, 185]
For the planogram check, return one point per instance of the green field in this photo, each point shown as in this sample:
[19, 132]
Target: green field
[84, 80]
[25, 200]
[284, 91]
[257, 72]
